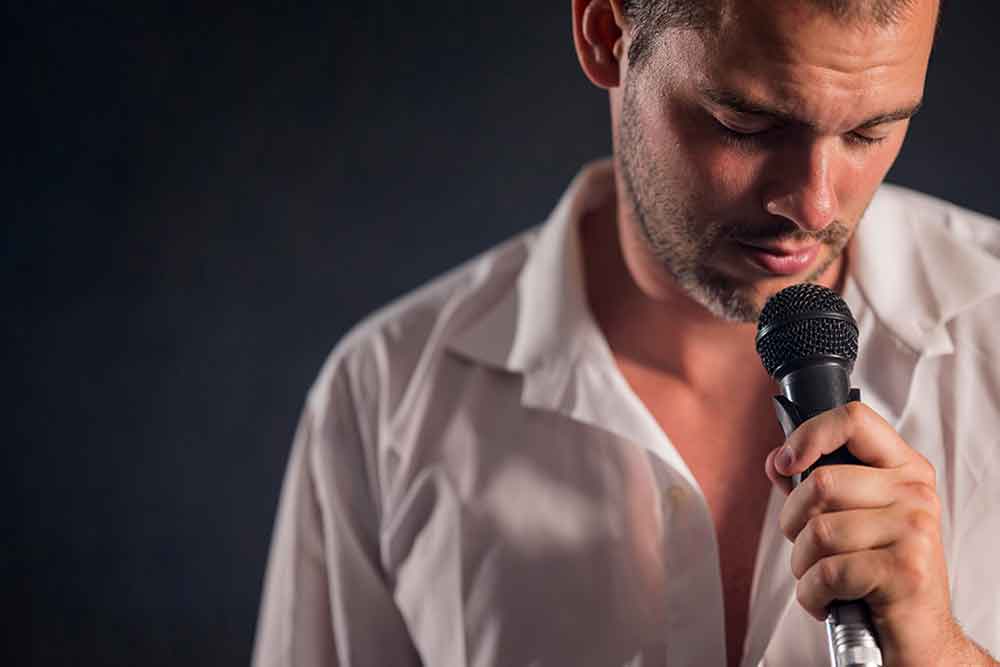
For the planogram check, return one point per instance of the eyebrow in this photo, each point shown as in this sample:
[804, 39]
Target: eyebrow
[740, 104]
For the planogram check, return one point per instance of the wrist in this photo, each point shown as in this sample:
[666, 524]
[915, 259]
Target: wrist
[966, 651]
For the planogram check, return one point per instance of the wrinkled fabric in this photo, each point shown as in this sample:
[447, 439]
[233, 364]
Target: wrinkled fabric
[474, 483]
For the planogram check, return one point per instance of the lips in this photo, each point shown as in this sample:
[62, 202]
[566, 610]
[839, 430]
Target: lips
[781, 259]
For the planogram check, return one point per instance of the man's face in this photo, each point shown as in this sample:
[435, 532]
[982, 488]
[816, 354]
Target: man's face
[750, 154]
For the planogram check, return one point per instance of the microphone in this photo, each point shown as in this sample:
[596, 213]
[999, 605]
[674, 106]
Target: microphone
[807, 340]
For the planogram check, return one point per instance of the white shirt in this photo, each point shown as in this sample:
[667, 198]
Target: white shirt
[474, 483]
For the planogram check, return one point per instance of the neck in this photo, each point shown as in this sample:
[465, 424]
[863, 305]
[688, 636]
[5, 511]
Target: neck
[662, 330]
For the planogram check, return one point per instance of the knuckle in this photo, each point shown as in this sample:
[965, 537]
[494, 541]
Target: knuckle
[830, 574]
[784, 520]
[925, 519]
[798, 561]
[823, 485]
[926, 497]
[925, 471]
[801, 596]
[923, 532]
[788, 533]
[822, 533]
[804, 596]
[920, 522]
[913, 568]
[856, 413]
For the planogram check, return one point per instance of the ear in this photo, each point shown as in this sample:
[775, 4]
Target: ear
[598, 32]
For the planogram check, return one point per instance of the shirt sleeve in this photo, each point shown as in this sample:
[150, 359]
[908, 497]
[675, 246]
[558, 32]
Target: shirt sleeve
[326, 600]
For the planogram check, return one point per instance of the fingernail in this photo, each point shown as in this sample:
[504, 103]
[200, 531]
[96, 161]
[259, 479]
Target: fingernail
[786, 457]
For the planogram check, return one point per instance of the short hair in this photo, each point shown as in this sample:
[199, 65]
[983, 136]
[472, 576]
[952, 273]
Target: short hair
[650, 18]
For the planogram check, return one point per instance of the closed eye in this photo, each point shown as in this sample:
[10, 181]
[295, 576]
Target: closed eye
[755, 137]
[859, 139]
[743, 135]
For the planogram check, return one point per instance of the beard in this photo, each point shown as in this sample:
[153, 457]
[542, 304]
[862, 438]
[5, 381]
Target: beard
[683, 238]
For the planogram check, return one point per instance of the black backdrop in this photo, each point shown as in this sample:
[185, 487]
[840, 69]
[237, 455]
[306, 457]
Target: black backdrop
[204, 199]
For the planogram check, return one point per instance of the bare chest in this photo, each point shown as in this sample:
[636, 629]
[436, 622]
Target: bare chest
[736, 488]
[726, 456]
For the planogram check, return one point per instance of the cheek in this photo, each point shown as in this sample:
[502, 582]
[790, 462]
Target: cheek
[721, 174]
[733, 175]
[863, 176]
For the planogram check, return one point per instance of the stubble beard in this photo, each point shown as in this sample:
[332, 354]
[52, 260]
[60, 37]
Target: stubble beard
[682, 242]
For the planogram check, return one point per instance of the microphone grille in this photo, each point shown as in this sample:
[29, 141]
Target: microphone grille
[804, 322]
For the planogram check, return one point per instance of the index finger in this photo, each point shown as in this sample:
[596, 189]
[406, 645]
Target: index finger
[866, 434]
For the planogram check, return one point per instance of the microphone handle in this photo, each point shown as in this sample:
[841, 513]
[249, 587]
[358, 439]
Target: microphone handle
[850, 633]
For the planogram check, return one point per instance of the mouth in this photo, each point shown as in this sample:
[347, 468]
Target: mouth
[780, 259]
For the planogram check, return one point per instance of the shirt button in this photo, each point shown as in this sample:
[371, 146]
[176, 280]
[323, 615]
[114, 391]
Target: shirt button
[677, 497]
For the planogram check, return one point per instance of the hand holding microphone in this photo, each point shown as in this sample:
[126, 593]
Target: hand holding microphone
[862, 510]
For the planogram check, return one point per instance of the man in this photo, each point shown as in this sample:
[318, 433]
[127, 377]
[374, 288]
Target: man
[553, 455]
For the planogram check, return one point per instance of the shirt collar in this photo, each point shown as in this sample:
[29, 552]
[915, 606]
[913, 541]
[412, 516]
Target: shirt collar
[543, 329]
[913, 273]
[545, 315]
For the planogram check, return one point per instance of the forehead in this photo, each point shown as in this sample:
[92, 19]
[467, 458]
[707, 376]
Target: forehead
[792, 55]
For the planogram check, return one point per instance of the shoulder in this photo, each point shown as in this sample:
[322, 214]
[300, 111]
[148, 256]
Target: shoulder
[951, 222]
[944, 264]
[945, 256]
[961, 242]
[370, 369]
[959, 255]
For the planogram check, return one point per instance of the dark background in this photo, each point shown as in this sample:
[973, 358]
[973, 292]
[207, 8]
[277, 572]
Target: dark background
[204, 200]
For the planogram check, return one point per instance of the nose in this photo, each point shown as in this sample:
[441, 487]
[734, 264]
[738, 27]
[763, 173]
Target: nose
[803, 188]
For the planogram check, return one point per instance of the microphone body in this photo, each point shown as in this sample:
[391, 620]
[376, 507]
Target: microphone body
[810, 348]
[849, 630]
